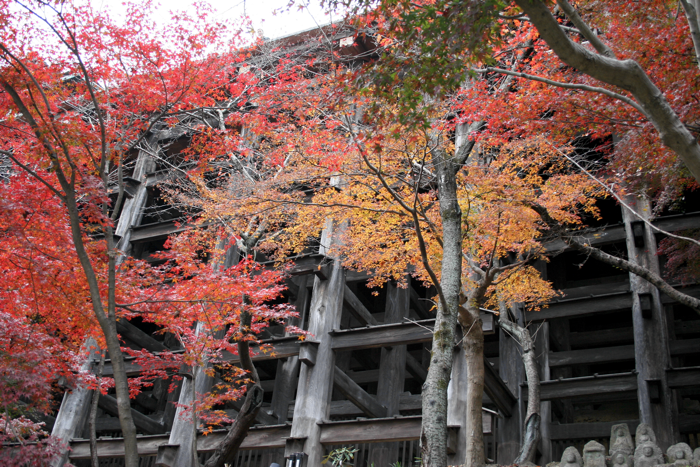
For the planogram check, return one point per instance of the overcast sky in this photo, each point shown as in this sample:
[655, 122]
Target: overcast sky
[274, 17]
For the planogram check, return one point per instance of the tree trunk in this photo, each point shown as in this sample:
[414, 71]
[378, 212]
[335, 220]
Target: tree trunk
[532, 416]
[434, 426]
[227, 450]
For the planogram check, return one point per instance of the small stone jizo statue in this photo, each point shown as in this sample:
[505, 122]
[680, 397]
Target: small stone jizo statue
[571, 458]
[644, 435]
[648, 455]
[621, 440]
[680, 455]
[593, 454]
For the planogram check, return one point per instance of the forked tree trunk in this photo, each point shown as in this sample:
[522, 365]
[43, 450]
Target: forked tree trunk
[532, 417]
[434, 425]
[227, 450]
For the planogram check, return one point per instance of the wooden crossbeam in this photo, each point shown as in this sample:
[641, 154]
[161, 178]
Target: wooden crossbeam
[569, 431]
[357, 309]
[137, 336]
[588, 386]
[142, 422]
[683, 377]
[358, 396]
[616, 354]
[275, 436]
[258, 438]
[383, 335]
[587, 306]
[617, 233]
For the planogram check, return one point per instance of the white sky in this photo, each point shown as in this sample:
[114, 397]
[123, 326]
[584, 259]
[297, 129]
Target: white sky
[274, 17]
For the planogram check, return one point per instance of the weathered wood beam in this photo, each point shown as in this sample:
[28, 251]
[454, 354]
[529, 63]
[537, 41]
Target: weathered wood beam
[379, 431]
[103, 424]
[260, 437]
[357, 309]
[578, 307]
[615, 354]
[155, 231]
[142, 422]
[683, 377]
[374, 337]
[137, 336]
[262, 417]
[358, 396]
[587, 386]
[371, 431]
[498, 391]
[568, 431]
[617, 233]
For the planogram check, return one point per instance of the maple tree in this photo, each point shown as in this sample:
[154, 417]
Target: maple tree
[81, 95]
[396, 196]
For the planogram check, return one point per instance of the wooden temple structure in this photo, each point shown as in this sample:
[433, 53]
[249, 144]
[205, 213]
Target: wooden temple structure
[611, 350]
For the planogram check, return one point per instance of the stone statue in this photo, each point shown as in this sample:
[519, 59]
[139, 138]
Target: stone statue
[621, 440]
[644, 434]
[620, 459]
[571, 458]
[594, 454]
[696, 457]
[680, 455]
[648, 455]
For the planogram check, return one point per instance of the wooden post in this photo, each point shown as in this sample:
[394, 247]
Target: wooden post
[541, 336]
[72, 414]
[457, 405]
[132, 212]
[316, 382]
[656, 400]
[183, 433]
[512, 371]
[288, 369]
[392, 371]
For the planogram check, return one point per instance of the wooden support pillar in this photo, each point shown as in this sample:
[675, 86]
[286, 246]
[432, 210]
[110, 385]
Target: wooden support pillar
[72, 415]
[512, 371]
[392, 371]
[316, 382]
[288, 369]
[652, 358]
[541, 337]
[183, 431]
[457, 405]
[132, 212]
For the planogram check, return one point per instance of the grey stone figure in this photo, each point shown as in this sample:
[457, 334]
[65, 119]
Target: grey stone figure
[680, 455]
[620, 459]
[644, 434]
[648, 455]
[571, 458]
[594, 454]
[621, 440]
[696, 457]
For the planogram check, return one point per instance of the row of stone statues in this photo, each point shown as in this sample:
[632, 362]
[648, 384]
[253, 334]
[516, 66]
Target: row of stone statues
[624, 453]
